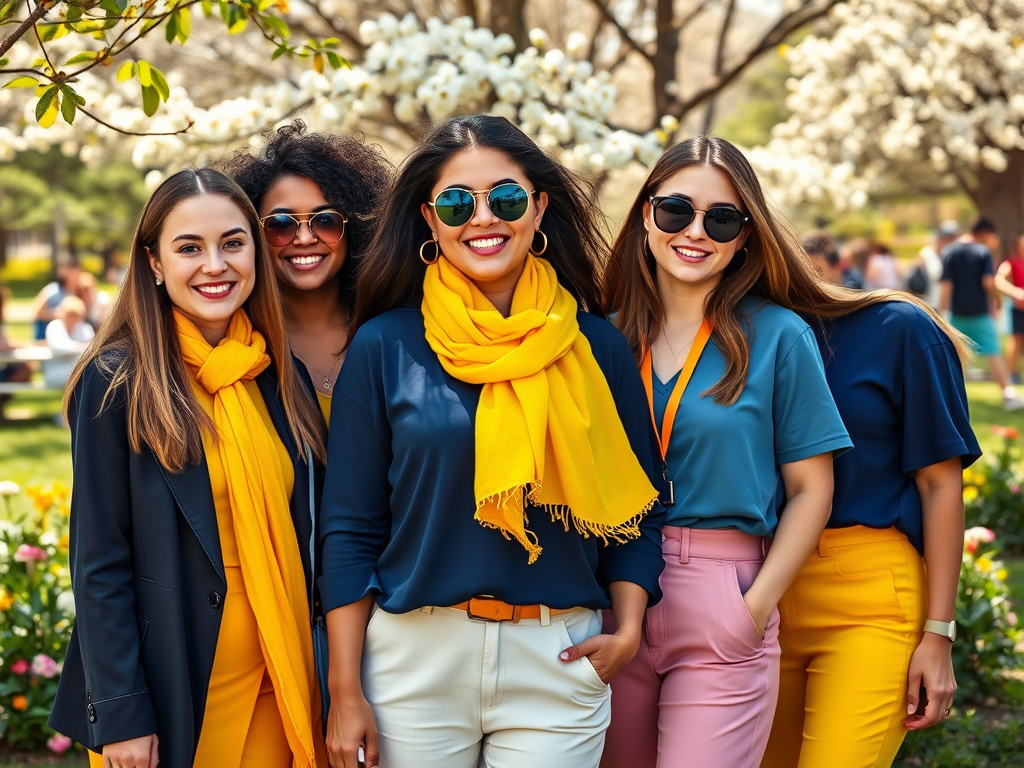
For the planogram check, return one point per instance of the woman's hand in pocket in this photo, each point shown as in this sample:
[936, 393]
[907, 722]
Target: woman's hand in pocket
[607, 653]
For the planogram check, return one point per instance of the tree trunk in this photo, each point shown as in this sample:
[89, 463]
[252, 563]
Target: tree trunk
[1000, 197]
[664, 60]
[508, 16]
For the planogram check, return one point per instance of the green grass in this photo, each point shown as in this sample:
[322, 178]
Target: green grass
[986, 404]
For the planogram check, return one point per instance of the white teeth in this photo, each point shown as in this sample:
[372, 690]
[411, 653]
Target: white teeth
[306, 261]
[691, 253]
[214, 290]
[486, 242]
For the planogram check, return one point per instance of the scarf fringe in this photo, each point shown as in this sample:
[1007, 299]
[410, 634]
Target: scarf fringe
[530, 492]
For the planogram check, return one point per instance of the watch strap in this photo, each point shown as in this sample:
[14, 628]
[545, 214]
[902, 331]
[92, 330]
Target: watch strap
[946, 629]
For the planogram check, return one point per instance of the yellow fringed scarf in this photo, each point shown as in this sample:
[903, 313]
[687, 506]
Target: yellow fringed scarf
[546, 426]
[267, 547]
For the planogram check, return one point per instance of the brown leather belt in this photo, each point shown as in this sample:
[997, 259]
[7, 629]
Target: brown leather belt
[493, 609]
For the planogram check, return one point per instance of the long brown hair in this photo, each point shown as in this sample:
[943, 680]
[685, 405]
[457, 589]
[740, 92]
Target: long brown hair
[138, 345]
[775, 268]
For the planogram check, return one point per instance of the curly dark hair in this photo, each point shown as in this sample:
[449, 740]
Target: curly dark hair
[352, 175]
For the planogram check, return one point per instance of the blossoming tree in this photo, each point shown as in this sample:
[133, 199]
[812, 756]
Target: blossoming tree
[927, 95]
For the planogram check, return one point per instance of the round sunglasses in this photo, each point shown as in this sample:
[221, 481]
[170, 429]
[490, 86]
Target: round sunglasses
[455, 206]
[281, 228]
[674, 214]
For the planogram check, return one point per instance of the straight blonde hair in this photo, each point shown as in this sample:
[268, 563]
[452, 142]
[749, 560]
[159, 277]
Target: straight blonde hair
[138, 345]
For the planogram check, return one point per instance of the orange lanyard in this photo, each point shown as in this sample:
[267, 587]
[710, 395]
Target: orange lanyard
[672, 408]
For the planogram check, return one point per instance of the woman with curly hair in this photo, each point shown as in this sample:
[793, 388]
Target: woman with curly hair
[316, 195]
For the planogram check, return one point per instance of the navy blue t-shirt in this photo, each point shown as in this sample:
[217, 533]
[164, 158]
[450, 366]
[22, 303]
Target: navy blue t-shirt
[899, 387]
[965, 265]
[397, 514]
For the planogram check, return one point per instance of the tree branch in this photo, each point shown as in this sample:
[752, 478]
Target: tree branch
[709, 115]
[17, 34]
[623, 32]
[126, 132]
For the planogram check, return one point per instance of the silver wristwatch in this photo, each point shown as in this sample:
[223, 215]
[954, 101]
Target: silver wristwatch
[946, 629]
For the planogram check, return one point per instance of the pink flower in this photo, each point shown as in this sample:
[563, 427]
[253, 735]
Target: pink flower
[26, 553]
[44, 666]
[20, 667]
[975, 536]
[59, 743]
[1015, 489]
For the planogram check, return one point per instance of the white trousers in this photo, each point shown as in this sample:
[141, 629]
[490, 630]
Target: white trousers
[452, 692]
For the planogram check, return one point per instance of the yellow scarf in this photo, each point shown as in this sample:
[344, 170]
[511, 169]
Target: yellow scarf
[267, 547]
[546, 427]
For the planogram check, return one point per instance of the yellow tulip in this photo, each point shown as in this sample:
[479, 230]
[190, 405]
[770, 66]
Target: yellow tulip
[984, 564]
[970, 493]
[6, 600]
[1001, 574]
[61, 491]
[43, 501]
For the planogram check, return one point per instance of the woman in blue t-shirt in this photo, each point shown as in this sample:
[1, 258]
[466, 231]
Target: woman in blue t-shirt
[700, 259]
[483, 390]
[866, 625]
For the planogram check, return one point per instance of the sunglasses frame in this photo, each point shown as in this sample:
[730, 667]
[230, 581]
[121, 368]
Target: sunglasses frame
[475, 193]
[658, 200]
[308, 222]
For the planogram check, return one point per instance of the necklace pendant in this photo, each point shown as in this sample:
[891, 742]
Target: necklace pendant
[327, 383]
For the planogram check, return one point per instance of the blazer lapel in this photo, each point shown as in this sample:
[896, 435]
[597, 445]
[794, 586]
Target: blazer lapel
[192, 492]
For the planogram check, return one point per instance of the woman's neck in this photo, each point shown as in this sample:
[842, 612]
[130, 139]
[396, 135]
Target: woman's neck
[683, 303]
[312, 311]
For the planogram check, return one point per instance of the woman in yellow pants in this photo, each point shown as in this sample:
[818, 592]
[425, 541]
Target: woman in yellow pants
[868, 624]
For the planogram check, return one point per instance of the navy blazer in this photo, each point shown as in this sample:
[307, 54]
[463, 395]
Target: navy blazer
[148, 581]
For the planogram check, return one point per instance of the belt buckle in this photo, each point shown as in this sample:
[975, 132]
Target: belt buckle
[494, 609]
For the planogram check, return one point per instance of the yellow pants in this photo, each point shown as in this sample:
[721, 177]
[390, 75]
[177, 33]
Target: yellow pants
[850, 623]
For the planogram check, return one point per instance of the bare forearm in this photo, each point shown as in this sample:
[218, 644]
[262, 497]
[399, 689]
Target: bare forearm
[346, 631]
[942, 507]
[629, 601]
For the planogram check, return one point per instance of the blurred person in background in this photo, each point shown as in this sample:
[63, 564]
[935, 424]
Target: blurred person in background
[97, 302]
[924, 274]
[853, 258]
[67, 336]
[882, 271]
[824, 255]
[970, 295]
[10, 372]
[1009, 281]
[45, 303]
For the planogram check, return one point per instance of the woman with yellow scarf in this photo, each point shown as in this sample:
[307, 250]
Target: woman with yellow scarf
[192, 437]
[489, 485]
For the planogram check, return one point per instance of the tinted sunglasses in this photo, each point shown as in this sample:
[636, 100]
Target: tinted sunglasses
[674, 214]
[455, 206]
[281, 228]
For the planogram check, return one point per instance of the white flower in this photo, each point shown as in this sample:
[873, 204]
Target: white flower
[66, 602]
[9, 488]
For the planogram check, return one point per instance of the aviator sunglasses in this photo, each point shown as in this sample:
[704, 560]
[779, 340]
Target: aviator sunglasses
[455, 206]
[674, 214]
[281, 228]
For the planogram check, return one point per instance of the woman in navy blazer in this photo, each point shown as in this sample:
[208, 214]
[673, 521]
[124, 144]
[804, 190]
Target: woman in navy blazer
[146, 556]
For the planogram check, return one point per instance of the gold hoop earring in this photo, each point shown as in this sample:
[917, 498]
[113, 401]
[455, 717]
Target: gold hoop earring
[437, 251]
[542, 250]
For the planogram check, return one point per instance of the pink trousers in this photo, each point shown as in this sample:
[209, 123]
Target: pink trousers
[702, 689]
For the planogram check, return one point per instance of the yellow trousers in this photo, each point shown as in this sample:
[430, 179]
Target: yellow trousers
[850, 623]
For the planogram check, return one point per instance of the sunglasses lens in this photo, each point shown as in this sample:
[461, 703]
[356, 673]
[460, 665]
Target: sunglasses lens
[454, 207]
[279, 229]
[672, 215]
[723, 224]
[327, 226]
[508, 202]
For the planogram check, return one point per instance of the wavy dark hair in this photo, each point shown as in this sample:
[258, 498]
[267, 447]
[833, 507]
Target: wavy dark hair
[775, 268]
[352, 175]
[391, 273]
[137, 347]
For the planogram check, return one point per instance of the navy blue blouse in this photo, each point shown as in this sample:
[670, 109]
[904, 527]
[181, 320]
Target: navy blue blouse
[899, 386]
[397, 514]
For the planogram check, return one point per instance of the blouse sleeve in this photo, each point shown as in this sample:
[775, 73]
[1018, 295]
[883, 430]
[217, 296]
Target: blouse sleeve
[356, 510]
[807, 422]
[936, 424]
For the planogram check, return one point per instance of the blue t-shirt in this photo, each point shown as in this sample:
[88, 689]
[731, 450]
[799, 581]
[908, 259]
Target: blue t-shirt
[724, 460]
[397, 513]
[899, 387]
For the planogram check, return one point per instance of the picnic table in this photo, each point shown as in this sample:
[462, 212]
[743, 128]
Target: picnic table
[34, 354]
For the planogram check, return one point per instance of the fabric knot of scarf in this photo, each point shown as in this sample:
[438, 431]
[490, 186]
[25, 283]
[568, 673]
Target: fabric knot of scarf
[547, 429]
[261, 515]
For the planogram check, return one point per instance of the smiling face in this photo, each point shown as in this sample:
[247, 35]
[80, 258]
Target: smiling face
[690, 257]
[206, 257]
[489, 251]
[306, 263]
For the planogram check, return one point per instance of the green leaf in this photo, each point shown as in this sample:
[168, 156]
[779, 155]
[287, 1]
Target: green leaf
[145, 73]
[82, 57]
[331, 42]
[126, 71]
[4, 63]
[207, 6]
[25, 81]
[68, 103]
[277, 26]
[150, 100]
[335, 60]
[45, 101]
[7, 8]
[184, 25]
[51, 32]
[280, 51]
[112, 7]
[160, 83]
[171, 28]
